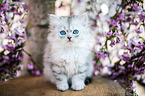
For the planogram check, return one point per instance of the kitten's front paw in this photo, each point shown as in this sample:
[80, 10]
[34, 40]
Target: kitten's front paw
[62, 87]
[78, 86]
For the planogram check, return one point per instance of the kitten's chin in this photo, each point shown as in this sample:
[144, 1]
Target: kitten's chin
[70, 41]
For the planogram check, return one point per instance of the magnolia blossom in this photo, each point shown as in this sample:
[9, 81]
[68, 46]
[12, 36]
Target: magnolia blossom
[11, 54]
[13, 9]
[112, 22]
[138, 77]
[137, 43]
[109, 33]
[37, 73]
[138, 31]
[125, 57]
[118, 26]
[101, 54]
[131, 66]
[112, 42]
[118, 40]
[137, 8]
[143, 81]
[18, 13]
[121, 16]
[135, 23]
[2, 29]
[2, 23]
[5, 6]
[30, 66]
[2, 16]
[25, 7]
[131, 63]
[142, 16]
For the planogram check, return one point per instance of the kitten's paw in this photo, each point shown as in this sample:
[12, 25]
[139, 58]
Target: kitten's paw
[62, 87]
[78, 86]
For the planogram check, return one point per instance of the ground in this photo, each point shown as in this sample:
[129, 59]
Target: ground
[35, 86]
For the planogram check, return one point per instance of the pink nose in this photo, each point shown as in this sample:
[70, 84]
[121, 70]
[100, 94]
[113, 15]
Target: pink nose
[69, 38]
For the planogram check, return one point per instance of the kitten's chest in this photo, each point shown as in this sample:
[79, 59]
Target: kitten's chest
[70, 59]
[70, 54]
[73, 59]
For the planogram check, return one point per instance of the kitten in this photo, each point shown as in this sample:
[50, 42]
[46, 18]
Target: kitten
[68, 54]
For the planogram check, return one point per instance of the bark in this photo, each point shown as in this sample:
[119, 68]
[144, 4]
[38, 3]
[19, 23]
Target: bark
[37, 30]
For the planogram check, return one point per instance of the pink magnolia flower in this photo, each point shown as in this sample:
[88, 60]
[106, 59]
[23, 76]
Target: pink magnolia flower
[137, 43]
[101, 54]
[10, 47]
[112, 42]
[30, 66]
[142, 16]
[5, 6]
[6, 57]
[121, 16]
[121, 67]
[131, 66]
[25, 6]
[138, 31]
[137, 8]
[134, 23]
[2, 23]
[37, 73]
[2, 16]
[21, 20]
[1, 63]
[13, 9]
[2, 29]
[117, 33]
[125, 57]
[19, 13]
[118, 40]
[118, 26]
[138, 77]
[112, 22]
[109, 33]
[29, 57]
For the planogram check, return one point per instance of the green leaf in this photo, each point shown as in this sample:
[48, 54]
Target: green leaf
[142, 38]
[88, 2]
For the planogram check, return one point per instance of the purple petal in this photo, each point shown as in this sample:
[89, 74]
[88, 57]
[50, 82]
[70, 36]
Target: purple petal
[37, 73]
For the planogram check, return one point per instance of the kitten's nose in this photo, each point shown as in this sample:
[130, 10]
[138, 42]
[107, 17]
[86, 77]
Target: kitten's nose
[69, 38]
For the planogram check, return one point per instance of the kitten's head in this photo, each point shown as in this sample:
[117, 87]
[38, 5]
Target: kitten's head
[69, 29]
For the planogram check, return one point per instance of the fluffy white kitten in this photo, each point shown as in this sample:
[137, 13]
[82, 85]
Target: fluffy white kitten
[68, 54]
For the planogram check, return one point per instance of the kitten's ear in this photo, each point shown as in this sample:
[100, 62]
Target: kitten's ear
[53, 19]
[84, 18]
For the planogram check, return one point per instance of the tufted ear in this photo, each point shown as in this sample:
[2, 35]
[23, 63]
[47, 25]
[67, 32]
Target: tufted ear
[53, 19]
[83, 18]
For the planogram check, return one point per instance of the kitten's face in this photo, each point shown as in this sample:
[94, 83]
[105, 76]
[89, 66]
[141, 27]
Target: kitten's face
[68, 29]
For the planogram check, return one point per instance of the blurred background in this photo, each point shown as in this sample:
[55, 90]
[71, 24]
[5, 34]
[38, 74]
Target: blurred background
[117, 24]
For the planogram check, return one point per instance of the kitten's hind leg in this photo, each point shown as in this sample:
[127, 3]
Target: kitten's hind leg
[88, 80]
[89, 72]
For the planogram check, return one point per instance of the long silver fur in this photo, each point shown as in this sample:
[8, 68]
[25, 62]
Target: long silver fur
[66, 60]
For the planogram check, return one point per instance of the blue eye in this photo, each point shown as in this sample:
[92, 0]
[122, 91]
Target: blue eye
[75, 32]
[62, 32]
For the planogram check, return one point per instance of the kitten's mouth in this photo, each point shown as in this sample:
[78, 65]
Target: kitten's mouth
[69, 41]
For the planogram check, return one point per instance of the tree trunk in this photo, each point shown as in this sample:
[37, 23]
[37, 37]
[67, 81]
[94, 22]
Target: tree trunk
[37, 30]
